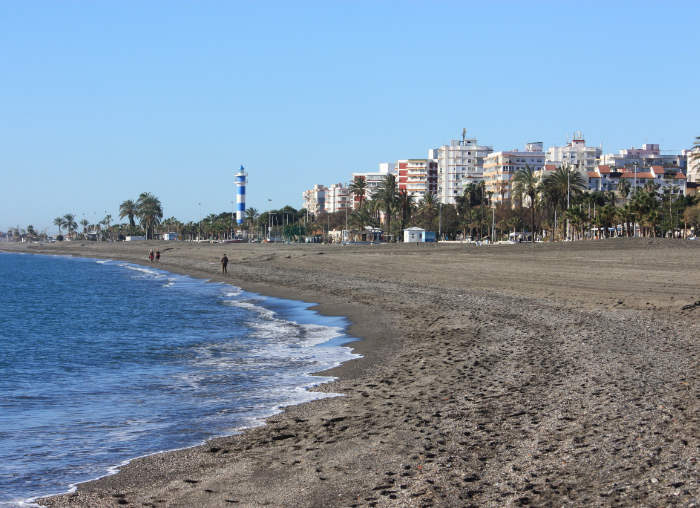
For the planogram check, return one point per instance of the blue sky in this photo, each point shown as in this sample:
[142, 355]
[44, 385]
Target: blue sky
[100, 101]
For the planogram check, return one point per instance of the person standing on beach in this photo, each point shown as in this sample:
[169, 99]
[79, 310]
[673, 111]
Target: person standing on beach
[224, 262]
[157, 255]
[150, 255]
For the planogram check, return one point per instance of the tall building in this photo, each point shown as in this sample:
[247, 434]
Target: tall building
[693, 158]
[646, 157]
[575, 153]
[460, 161]
[417, 177]
[373, 179]
[315, 199]
[337, 199]
[500, 167]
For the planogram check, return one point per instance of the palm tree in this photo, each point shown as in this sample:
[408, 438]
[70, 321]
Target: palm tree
[561, 184]
[251, 217]
[526, 181]
[405, 206]
[624, 215]
[84, 223]
[695, 155]
[360, 219]
[128, 209]
[429, 207]
[149, 212]
[577, 217]
[358, 188]
[69, 223]
[60, 222]
[387, 196]
[623, 188]
[502, 187]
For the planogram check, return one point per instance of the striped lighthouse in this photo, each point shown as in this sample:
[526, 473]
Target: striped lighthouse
[241, 180]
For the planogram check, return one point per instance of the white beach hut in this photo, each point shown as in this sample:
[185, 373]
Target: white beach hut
[414, 234]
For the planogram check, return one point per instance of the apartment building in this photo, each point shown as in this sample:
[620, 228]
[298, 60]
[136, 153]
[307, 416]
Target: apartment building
[337, 199]
[604, 178]
[693, 158]
[458, 163]
[315, 199]
[373, 179]
[576, 154]
[417, 177]
[646, 157]
[500, 167]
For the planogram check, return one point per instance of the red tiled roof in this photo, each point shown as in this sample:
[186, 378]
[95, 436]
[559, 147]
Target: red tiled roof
[640, 176]
[604, 169]
[550, 167]
[680, 176]
[659, 170]
[593, 174]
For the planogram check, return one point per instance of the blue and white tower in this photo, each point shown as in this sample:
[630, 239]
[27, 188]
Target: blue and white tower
[241, 180]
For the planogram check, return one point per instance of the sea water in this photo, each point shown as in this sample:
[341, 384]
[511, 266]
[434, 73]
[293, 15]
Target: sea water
[105, 361]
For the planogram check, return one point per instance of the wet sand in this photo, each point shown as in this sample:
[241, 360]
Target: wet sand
[543, 375]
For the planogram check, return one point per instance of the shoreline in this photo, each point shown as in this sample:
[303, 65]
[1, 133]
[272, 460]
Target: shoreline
[541, 375]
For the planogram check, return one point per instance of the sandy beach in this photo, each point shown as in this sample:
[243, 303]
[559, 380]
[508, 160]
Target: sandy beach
[542, 375]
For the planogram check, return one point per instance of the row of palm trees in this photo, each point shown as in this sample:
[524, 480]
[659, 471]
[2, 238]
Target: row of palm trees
[558, 204]
[625, 210]
[147, 208]
[549, 205]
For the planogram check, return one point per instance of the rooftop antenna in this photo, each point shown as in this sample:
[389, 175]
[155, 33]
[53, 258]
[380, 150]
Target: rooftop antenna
[464, 134]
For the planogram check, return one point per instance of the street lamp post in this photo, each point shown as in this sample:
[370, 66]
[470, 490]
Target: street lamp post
[439, 221]
[568, 199]
[199, 235]
[231, 236]
[635, 192]
[493, 224]
[346, 207]
[269, 218]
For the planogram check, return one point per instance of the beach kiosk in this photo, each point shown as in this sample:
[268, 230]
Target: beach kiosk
[414, 235]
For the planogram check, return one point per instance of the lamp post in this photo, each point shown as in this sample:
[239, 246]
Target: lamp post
[439, 221]
[269, 218]
[346, 206]
[199, 235]
[568, 199]
[635, 193]
[231, 236]
[493, 224]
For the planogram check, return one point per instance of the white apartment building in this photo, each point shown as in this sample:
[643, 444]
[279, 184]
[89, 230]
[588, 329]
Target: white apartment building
[603, 178]
[459, 162]
[693, 164]
[576, 154]
[417, 177]
[373, 179]
[646, 157]
[315, 199]
[337, 199]
[502, 166]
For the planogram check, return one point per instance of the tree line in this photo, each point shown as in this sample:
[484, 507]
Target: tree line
[555, 207]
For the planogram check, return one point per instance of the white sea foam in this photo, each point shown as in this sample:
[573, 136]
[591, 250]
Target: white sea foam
[228, 368]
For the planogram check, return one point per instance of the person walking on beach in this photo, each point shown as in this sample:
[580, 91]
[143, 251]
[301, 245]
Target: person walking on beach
[150, 255]
[157, 255]
[224, 262]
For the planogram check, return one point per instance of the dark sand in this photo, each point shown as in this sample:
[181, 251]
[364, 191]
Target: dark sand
[543, 375]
